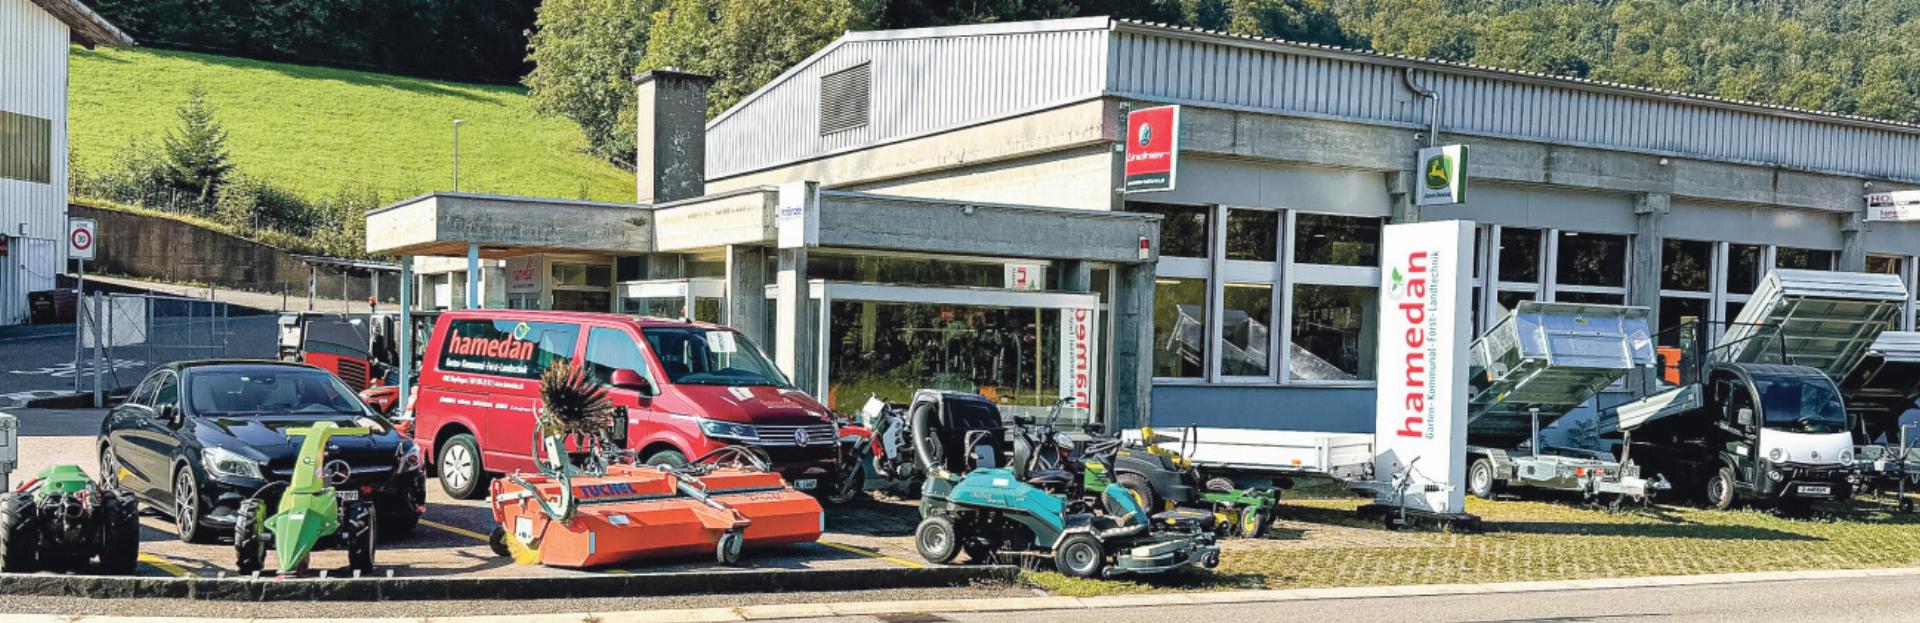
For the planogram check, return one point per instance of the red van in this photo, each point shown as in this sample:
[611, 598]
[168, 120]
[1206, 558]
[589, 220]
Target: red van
[687, 388]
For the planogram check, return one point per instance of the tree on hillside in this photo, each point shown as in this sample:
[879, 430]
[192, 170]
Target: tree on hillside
[584, 53]
[196, 151]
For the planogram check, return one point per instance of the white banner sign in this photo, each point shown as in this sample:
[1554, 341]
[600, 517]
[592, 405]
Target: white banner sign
[1024, 276]
[1901, 205]
[1420, 426]
[523, 274]
[1077, 338]
[1442, 176]
[796, 225]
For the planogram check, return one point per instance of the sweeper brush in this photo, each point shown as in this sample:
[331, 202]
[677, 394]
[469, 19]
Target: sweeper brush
[610, 511]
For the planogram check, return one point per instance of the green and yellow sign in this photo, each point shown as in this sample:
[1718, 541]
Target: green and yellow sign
[1443, 175]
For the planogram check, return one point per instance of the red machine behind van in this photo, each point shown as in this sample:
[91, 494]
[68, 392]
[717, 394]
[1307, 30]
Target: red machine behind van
[687, 388]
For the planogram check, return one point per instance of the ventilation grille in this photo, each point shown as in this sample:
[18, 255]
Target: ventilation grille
[845, 97]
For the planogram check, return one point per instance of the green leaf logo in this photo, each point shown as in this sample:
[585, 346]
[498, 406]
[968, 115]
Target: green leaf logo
[1396, 284]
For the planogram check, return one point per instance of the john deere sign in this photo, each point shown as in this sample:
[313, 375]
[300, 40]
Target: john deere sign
[1443, 176]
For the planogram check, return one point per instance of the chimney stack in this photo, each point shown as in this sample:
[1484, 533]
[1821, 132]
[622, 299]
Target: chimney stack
[671, 161]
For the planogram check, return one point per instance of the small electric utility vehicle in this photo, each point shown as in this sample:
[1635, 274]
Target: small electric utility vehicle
[61, 520]
[987, 511]
[310, 513]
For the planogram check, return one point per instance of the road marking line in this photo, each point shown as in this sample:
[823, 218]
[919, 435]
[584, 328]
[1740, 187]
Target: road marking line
[165, 565]
[455, 530]
[873, 554]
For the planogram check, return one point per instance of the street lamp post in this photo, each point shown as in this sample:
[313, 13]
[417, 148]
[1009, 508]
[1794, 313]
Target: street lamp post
[456, 152]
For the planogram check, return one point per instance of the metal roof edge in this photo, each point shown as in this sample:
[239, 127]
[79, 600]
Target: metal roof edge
[515, 198]
[92, 28]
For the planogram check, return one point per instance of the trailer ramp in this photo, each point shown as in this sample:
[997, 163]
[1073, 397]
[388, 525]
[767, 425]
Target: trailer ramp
[1824, 320]
[1552, 357]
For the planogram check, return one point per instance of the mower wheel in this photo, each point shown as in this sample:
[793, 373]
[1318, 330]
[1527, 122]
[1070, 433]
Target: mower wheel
[727, 550]
[120, 534]
[1080, 556]
[249, 549]
[1142, 491]
[937, 540]
[1719, 492]
[18, 536]
[848, 487]
[363, 536]
[1253, 522]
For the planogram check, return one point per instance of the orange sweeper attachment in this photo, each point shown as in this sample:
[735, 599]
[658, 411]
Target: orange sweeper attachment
[609, 510]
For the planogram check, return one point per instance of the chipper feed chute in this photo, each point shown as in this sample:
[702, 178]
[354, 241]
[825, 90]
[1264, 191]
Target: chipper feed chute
[1553, 357]
[1824, 320]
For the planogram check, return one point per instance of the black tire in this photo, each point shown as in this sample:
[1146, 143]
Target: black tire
[363, 536]
[667, 458]
[727, 550]
[1481, 480]
[249, 548]
[1252, 523]
[848, 487]
[463, 475]
[1080, 556]
[19, 537]
[1142, 491]
[187, 509]
[120, 534]
[497, 541]
[1719, 491]
[937, 540]
[398, 521]
[978, 552]
[109, 469]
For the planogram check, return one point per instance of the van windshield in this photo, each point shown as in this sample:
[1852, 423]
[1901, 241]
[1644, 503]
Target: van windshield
[695, 356]
[1801, 405]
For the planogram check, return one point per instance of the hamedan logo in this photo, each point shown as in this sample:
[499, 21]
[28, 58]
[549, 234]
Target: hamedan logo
[1439, 172]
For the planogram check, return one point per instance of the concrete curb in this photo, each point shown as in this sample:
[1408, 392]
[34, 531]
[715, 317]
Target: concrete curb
[442, 588]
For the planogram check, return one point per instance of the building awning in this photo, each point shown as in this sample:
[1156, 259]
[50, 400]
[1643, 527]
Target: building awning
[89, 29]
[347, 265]
[507, 226]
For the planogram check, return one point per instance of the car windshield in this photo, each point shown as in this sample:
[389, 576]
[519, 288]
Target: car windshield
[268, 390]
[695, 356]
[1801, 405]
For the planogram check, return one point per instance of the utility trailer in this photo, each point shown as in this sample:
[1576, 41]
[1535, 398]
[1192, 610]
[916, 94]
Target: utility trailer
[1539, 363]
[1253, 453]
[1878, 391]
[1755, 413]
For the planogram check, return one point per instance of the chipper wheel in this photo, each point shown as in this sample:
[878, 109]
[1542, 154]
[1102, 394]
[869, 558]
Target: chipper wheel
[119, 534]
[18, 536]
[1080, 556]
[937, 540]
[727, 550]
[249, 547]
[362, 536]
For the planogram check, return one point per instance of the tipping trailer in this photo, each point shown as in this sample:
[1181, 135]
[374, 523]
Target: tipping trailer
[1884, 386]
[1538, 364]
[1755, 413]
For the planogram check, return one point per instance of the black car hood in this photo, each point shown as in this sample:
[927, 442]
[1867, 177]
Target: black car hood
[265, 435]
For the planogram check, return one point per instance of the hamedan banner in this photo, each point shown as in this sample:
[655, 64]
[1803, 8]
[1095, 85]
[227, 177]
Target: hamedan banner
[1420, 426]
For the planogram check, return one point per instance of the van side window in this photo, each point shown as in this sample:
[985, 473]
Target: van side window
[613, 349]
[507, 347]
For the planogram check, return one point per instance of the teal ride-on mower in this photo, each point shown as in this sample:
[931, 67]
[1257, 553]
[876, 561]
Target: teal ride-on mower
[61, 520]
[986, 511]
[311, 513]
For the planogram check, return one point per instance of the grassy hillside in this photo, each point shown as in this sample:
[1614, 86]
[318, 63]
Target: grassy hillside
[314, 130]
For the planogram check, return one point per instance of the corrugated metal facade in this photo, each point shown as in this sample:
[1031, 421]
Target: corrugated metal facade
[33, 81]
[927, 84]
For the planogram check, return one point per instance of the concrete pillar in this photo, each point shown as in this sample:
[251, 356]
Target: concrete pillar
[1853, 243]
[1132, 356]
[1400, 195]
[795, 340]
[473, 276]
[1649, 214]
[747, 292]
[670, 162]
[1076, 276]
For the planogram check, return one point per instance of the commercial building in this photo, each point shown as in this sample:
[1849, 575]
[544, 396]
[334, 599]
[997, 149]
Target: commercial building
[938, 207]
[35, 36]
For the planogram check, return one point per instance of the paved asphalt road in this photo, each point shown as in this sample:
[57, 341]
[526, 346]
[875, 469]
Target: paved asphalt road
[41, 360]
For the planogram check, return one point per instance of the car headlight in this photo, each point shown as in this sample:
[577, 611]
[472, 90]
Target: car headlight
[729, 430]
[408, 456]
[224, 463]
[1846, 457]
[1777, 455]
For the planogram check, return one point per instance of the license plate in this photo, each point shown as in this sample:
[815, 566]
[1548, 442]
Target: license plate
[1816, 490]
[347, 496]
[806, 484]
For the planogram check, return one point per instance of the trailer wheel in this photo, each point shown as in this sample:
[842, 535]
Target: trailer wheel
[120, 534]
[1481, 481]
[1253, 522]
[1080, 556]
[249, 550]
[727, 551]
[18, 538]
[937, 540]
[1720, 489]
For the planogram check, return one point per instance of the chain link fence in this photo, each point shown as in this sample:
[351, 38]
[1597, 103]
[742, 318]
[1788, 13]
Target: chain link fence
[123, 336]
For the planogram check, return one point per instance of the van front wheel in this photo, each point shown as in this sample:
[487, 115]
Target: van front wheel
[668, 458]
[461, 473]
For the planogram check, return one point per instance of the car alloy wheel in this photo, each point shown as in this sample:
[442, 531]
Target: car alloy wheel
[186, 511]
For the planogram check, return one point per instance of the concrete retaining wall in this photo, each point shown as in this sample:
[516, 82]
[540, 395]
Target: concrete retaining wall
[164, 249]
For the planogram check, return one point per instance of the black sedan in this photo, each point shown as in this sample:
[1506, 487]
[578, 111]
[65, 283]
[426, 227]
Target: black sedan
[199, 437]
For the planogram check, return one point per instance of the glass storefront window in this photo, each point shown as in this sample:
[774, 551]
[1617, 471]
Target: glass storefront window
[1507, 301]
[1885, 264]
[1336, 240]
[582, 275]
[1686, 265]
[1586, 259]
[1743, 267]
[1333, 332]
[1808, 259]
[1252, 235]
[1732, 310]
[1519, 254]
[582, 300]
[1247, 314]
[1179, 327]
[1009, 355]
[1183, 232]
[1591, 298]
[1675, 311]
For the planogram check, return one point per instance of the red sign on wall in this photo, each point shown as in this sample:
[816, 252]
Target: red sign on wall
[1153, 149]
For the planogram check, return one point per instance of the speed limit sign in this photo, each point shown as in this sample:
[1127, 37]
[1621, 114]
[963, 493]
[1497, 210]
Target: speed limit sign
[80, 238]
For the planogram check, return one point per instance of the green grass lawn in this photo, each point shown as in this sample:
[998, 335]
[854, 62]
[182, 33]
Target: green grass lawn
[315, 130]
[1320, 543]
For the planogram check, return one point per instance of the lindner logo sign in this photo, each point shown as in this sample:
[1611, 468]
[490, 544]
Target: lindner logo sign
[1420, 426]
[1153, 149]
[1900, 205]
[1443, 176]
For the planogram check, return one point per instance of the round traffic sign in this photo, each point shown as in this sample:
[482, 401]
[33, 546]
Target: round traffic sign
[82, 238]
